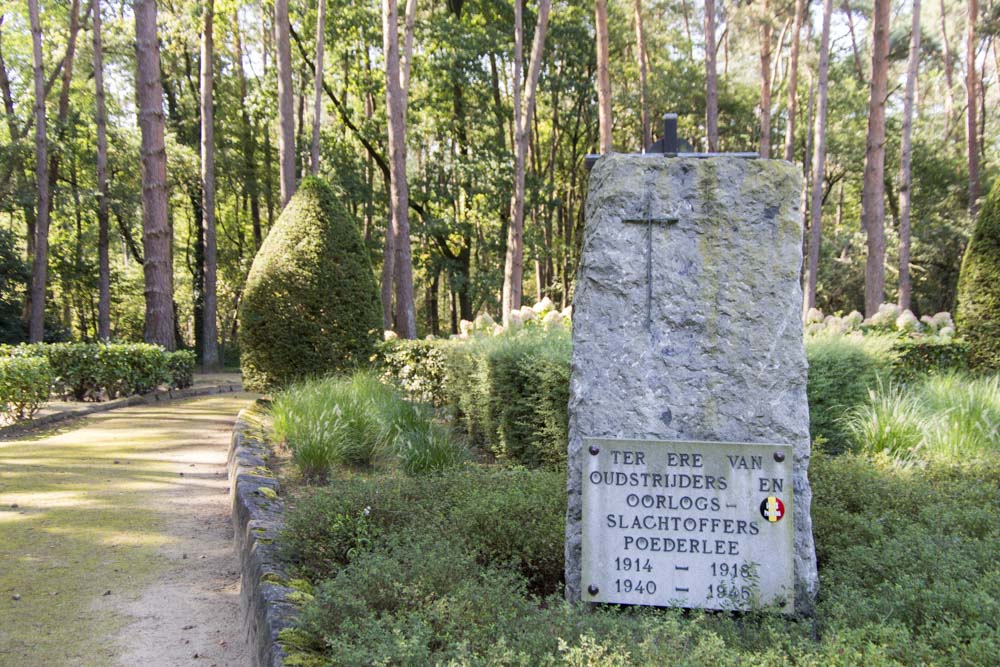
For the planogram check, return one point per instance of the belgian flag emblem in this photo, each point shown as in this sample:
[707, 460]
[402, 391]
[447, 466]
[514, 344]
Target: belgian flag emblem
[772, 509]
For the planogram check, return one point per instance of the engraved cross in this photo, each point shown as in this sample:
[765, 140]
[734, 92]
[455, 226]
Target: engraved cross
[649, 220]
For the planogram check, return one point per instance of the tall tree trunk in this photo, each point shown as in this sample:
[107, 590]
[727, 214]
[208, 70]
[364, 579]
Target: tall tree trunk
[819, 157]
[156, 229]
[949, 73]
[603, 76]
[524, 107]
[399, 195]
[765, 82]
[103, 258]
[912, 68]
[793, 80]
[36, 325]
[640, 47]
[711, 80]
[873, 191]
[972, 99]
[849, 13]
[210, 333]
[62, 119]
[318, 87]
[248, 130]
[286, 110]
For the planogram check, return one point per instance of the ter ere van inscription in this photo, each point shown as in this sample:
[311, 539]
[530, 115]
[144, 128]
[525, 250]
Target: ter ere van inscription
[688, 524]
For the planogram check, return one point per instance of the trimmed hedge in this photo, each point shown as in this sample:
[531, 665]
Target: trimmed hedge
[509, 393]
[978, 312]
[311, 304]
[25, 383]
[103, 371]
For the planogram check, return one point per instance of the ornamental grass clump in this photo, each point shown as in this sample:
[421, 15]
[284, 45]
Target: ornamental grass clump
[949, 417]
[359, 422]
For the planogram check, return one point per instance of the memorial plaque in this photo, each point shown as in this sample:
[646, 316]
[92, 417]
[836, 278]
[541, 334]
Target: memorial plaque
[688, 524]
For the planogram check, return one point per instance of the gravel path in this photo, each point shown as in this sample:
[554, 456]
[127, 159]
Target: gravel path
[117, 544]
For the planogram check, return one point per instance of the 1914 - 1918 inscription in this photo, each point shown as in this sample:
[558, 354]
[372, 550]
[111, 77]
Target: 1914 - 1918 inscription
[688, 524]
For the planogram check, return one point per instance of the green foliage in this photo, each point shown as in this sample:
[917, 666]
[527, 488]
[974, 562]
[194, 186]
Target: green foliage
[403, 575]
[949, 416]
[417, 367]
[916, 358]
[101, 371]
[510, 392]
[13, 277]
[979, 287]
[360, 422]
[25, 383]
[180, 365]
[913, 550]
[842, 370]
[493, 511]
[311, 305]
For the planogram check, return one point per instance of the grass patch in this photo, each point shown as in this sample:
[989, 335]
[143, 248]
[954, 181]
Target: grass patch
[947, 417]
[359, 422]
[464, 568]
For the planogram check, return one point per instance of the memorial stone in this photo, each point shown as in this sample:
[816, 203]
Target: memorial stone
[689, 427]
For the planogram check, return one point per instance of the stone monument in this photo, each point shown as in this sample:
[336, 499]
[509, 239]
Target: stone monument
[689, 426]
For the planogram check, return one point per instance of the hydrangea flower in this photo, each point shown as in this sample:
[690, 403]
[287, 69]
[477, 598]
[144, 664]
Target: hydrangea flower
[907, 322]
[543, 306]
[389, 335]
[814, 316]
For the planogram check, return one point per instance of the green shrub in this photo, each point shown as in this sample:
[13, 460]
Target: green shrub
[916, 358]
[950, 417]
[510, 393]
[360, 422]
[417, 367]
[508, 517]
[99, 371]
[25, 383]
[842, 370]
[906, 556]
[311, 305]
[978, 310]
[180, 365]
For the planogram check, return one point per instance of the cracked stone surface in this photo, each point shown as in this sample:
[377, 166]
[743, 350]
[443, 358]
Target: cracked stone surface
[716, 353]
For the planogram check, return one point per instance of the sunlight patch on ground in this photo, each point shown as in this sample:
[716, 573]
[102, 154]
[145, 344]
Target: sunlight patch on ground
[85, 528]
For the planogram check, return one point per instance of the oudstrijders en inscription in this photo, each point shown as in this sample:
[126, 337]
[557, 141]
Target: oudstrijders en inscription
[688, 524]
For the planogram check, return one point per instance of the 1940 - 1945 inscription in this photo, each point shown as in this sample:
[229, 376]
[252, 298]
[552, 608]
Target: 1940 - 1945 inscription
[688, 524]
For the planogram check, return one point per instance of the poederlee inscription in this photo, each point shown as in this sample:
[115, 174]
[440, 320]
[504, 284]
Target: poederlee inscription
[688, 524]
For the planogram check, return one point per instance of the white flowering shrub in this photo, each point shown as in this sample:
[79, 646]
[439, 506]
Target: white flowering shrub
[544, 315]
[889, 320]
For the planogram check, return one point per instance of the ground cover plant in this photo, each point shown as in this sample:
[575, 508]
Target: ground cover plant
[465, 568]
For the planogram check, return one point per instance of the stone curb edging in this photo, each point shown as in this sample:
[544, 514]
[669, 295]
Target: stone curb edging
[84, 410]
[257, 520]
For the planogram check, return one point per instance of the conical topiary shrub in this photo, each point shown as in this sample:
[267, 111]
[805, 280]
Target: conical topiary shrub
[978, 313]
[311, 304]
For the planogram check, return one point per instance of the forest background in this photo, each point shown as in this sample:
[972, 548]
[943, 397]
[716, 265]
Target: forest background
[243, 122]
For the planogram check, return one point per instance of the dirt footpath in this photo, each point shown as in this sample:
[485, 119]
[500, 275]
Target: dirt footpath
[117, 542]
